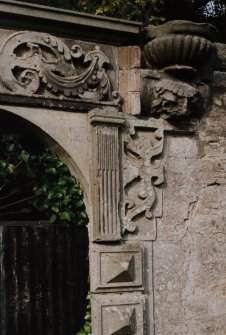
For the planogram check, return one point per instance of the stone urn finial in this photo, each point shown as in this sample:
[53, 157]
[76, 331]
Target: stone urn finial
[179, 45]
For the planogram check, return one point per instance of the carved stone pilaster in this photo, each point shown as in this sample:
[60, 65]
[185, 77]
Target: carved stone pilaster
[105, 174]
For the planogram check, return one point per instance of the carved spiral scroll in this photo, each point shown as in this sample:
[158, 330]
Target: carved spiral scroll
[32, 62]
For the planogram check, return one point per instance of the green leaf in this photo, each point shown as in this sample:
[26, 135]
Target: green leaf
[66, 215]
[2, 164]
[52, 218]
[55, 209]
[24, 156]
[50, 170]
[62, 182]
[10, 168]
[58, 195]
[10, 147]
[50, 195]
[79, 204]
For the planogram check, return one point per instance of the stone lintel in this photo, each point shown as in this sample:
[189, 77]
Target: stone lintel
[72, 105]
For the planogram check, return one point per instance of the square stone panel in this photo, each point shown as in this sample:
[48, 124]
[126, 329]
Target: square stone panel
[117, 266]
[118, 314]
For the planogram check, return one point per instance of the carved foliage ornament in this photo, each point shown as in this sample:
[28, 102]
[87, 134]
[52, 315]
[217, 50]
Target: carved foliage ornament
[32, 62]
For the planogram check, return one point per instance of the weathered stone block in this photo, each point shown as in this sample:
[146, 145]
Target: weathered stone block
[221, 56]
[185, 147]
[129, 90]
[129, 57]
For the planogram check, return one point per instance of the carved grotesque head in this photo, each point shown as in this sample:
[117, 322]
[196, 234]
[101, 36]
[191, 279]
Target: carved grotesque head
[172, 99]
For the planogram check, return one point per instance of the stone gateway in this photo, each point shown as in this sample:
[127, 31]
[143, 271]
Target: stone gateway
[141, 123]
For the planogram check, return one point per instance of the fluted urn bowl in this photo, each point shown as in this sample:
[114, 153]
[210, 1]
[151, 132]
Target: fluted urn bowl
[180, 45]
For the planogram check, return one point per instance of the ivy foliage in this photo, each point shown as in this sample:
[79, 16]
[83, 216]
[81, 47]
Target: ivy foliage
[87, 328]
[137, 10]
[40, 181]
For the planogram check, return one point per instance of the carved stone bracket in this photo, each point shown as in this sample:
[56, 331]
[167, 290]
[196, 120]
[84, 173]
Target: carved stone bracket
[142, 178]
[43, 65]
[182, 54]
[105, 174]
[166, 97]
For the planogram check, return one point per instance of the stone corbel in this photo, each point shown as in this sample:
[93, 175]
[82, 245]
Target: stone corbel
[180, 56]
[105, 172]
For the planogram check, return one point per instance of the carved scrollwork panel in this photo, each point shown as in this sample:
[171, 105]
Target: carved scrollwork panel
[143, 176]
[36, 63]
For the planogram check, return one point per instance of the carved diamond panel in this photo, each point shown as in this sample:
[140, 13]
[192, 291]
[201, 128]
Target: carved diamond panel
[121, 271]
[119, 314]
[117, 267]
[127, 316]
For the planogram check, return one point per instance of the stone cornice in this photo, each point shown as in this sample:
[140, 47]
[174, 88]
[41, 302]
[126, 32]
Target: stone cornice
[68, 23]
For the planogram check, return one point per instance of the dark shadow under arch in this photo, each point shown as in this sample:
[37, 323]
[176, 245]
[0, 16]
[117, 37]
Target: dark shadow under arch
[43, 267]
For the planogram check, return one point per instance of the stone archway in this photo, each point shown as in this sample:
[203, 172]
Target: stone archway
[43, 267]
